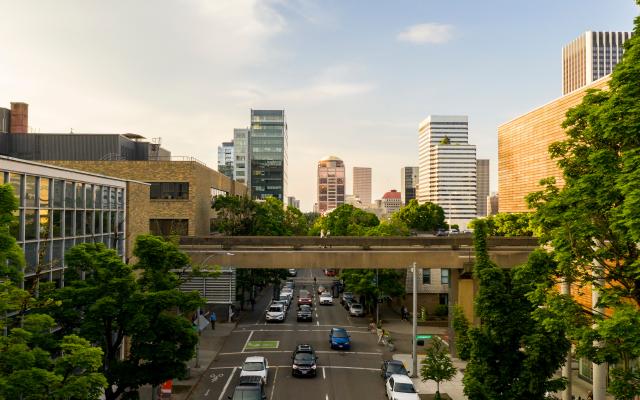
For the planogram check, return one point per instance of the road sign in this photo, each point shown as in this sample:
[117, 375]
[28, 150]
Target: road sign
[424, 336]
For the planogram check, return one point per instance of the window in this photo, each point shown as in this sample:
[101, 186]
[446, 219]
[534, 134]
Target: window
[444, 276]
[170, 190]
[426, 276]
[167, 227]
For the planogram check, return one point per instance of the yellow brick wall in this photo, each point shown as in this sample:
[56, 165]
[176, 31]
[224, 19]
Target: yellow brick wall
[523, 149]
[138, 211]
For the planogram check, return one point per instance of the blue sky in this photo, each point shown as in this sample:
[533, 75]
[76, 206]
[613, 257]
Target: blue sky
[355, 77]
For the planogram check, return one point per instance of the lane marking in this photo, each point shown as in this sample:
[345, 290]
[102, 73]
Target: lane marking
[207, 392]
[326, 366]
[273, 385]
[247, 342]
[324, 376]
[226, 385]
[317, 323]
[362, 353]
[326, 396]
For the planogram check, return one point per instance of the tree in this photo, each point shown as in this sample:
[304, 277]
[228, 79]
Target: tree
[373, 285]
[11, 255]
[509, 224]
[423, 217]
[296, 222]
[593, 221]
[516, 349]
[389, 228]
[461, 328]
[269, 219]
[347, 220]
[110, 304]
[234, 215]
[437, 365]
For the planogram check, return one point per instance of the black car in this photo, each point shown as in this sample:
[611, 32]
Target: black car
[305, 314]
[347, 303]
[249, 388]
[390, 367]
[304, 361]
[345, 297]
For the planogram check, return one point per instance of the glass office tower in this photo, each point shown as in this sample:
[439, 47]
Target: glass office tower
[268, 153]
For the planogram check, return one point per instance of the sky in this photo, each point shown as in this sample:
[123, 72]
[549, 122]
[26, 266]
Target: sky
[355, 77]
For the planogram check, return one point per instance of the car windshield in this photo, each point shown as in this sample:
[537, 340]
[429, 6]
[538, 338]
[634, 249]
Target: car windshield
[396, 369]
[347, 295]
[340, 334]
[356, 306]
[275, 308]
[304, 357]
[304, 293]
[325, 295]
[404, 388]
[253, 366]
[247, 394]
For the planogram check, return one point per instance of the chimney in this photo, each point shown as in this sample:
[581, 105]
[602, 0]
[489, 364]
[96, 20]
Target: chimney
[19, 118]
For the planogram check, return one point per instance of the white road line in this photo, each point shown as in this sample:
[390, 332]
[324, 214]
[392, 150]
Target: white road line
[226, 385]
[362, 353]
[326, 396]
[324, 376]
[247, 342]
[317, 323]
[273, 384]
[207, 392]
[326, 366]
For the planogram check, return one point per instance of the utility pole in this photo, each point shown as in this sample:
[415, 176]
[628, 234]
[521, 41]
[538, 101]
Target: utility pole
[377, 301]
[414, 330]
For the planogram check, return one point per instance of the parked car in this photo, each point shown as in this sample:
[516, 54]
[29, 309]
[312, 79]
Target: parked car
[346, 296]
[441, 232]
[285, 297]
[275, 313]
[391, 367]
[326, 299]
[293, 272]
[304, 313]
[339, 339]
[285, 304]
[255, 366]
[249, 388]
[347, 303]
[400, 387]
[356, 310]
[290, 284]
[304, 361]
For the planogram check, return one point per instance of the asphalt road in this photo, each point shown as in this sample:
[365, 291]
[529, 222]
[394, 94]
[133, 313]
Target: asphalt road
[341, 375]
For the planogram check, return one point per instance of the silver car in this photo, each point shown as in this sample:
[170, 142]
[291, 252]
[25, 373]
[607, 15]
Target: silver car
[356, 310]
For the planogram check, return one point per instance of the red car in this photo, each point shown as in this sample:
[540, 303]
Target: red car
[304, 297]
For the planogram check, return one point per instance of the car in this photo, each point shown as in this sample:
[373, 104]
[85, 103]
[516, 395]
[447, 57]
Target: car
[356, 310]
[400, 387]
[275, 313]
[304, 297]
[290, 284]
[321, 289]
[285, 304]
[255, 366]
[303, 361]
[293, 272]
[285, 297]
[346, 296]
[326, 298]
[441, 232]
[348, 303]
[454, 231]
[249, 388]
[304, 313]
[339, 339]
[390, 367]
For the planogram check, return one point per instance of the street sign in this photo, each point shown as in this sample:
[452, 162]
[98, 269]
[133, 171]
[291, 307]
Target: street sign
[424, 336]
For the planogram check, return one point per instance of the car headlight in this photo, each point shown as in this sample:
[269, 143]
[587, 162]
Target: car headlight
[295, 366]
[313, 367]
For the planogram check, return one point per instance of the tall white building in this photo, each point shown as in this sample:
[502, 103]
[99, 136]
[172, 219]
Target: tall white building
[589, 57]
[225, 158]
[241, 152]
[447, 167]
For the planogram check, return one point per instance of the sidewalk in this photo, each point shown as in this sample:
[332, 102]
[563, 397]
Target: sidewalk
[401, 333]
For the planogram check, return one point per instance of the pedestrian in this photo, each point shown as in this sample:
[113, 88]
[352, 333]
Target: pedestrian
[404, 312]
[213, 317]
[253, 304]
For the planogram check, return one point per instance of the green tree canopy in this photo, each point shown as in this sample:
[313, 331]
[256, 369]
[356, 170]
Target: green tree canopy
[437, 365]
[508, 224]
[11, 255]
[110, 304]
[423, 217]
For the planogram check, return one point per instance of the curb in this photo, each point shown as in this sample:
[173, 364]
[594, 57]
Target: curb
[190, 392]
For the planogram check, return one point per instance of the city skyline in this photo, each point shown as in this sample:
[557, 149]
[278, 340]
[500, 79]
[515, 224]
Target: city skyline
[173, 76]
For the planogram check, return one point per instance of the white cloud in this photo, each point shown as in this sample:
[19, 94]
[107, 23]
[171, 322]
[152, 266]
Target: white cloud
[431, 32]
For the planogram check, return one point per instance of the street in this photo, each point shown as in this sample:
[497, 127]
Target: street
[340, 374]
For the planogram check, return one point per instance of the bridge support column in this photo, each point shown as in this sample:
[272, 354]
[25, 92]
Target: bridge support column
[414, 330]
[454, 275]
[599, 370]
[565, 289]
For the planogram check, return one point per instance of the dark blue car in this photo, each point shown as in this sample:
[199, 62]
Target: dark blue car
[339, 339]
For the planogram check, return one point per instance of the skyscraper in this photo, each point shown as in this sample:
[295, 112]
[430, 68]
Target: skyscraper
[225, 158]
[408, 183]
[482, 172]
[268, 154]
[447, 167]
[330, 183]
[589, 57]
[241, 153]
[362, 184]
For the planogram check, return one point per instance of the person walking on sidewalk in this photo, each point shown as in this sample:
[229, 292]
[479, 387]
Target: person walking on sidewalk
[404, 313]
[213, 319]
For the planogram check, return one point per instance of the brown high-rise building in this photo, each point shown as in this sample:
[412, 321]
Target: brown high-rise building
[482, 187]
[589, 57]
[523, 149]
[362, 184]
[330, 183]
[19, 118]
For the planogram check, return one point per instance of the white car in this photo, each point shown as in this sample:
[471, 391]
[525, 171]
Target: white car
[326, 298]
[356, 310]
[400, 387]
[255, 366]
[275, 312]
